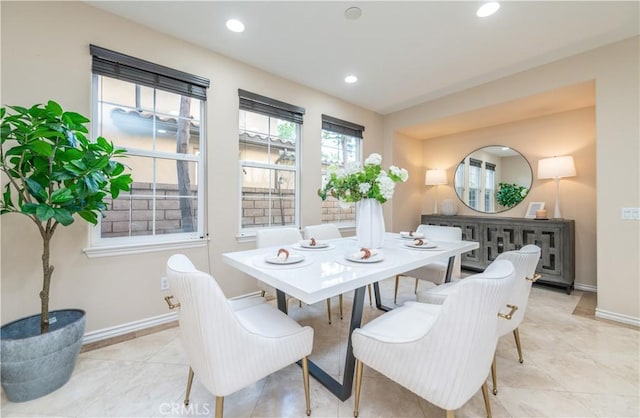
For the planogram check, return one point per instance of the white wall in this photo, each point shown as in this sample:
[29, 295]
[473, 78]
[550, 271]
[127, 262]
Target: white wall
[45, 55]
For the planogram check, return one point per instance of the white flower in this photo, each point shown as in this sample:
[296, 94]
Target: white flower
[352, 167]
[373, 159]
[364, 188]
[343, 204]
[400, 172]
[386, 185]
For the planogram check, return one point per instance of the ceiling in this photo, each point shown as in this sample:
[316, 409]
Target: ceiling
[404, 53]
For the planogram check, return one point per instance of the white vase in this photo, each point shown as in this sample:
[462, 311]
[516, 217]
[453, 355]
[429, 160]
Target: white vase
[448, 207]
[369, 223]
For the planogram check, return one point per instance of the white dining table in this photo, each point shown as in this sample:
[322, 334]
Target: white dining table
[326, 272]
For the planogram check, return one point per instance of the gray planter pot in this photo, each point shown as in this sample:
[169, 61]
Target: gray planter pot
[34, 364]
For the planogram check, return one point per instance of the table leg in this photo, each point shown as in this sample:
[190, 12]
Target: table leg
[447, 276]
[341, 390]
[282, 301]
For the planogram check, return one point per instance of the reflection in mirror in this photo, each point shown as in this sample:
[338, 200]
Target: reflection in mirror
[493, 179]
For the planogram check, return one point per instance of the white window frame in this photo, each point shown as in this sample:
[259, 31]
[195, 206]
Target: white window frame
[340, 223]
[100, 246]
[251, 231]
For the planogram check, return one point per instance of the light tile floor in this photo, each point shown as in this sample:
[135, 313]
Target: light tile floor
[575, 366]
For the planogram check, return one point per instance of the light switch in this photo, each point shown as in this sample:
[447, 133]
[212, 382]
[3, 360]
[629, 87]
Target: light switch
[631, 213]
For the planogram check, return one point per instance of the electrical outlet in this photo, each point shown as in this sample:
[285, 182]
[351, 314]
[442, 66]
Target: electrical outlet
[164, 283]
[631, 213]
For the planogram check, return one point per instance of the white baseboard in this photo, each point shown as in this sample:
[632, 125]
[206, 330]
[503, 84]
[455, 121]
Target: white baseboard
[118, 330]
[585, 287]
[613, 316]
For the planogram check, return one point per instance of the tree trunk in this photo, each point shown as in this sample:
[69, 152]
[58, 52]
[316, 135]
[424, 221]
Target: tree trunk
[47, 271]
[184, 182]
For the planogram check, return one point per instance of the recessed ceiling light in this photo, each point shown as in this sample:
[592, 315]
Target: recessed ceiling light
[234, 25]
[353, 13]
[350, 79]
[488, 9]
[505, 148]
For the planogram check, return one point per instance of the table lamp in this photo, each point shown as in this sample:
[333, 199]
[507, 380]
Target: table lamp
[556, 168]
[435, 178]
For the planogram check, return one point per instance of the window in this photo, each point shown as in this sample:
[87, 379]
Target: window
[474, 183]
[340, 145]
[155, 113]
[489, 187]
[269, 137]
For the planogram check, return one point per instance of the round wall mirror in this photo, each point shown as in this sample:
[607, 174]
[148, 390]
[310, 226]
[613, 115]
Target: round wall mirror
[493, 179]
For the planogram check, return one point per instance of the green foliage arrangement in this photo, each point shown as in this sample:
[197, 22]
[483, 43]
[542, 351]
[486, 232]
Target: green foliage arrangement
[54, 172]
[356, 182]
[510, 194]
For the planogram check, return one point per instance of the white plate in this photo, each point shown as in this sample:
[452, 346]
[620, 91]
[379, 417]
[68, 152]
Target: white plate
[426, 246]
[299, 247]
[292, 259]
[315, 247]
[373, 259]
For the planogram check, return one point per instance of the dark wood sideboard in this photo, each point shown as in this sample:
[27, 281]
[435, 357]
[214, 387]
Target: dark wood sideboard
[498, 234]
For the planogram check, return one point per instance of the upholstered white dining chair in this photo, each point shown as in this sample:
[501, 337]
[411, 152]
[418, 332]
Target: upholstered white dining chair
[434, 273]
[284, 236]
[524, 261]
[328, 231]
[442, 353]
[231, 344]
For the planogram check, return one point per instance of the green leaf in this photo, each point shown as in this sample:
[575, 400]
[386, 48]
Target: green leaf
[42, 148]
[36, 190]
[63, 216]
[29, 208]
[71, 154]
[6, 198]
[54, 108]
[76, 117]
[79, 164]
[106, 145]
[61, 196]
[3, 111]
[44, 212]
[88, 216]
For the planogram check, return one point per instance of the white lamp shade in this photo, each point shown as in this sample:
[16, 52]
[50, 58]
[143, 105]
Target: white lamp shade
[556, 167]
[435, 177]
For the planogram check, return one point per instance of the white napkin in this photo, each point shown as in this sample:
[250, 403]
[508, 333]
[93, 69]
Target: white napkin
[307, 243]
[414, 235]
[417, 242]
[359, 255]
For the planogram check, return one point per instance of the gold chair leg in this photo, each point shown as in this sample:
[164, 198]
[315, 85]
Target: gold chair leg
[450, 414]
[219, 406]
[395, 293]
[370, 297]
[415, 290]
[329, 310]
[356, 401]
[494, 377]
[340, 302]
[305, 380]
[485, 395]
[189, 382]
[516, 335]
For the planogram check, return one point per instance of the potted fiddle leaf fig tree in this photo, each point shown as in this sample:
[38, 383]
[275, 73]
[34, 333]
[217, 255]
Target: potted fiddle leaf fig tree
[51, 173]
